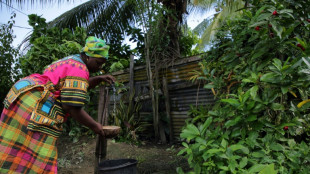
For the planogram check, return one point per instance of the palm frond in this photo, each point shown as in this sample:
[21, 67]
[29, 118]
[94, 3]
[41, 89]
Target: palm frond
[81, 15]
[202, 26]
[229, 9]
[113, 21]
[208, 4]
[99, 17]
[32, 3]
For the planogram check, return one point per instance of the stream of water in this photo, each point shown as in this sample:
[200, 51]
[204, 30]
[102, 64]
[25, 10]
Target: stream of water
[114, 98]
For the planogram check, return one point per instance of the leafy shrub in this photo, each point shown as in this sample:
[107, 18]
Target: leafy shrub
[258, 71]
[8, 59]
[49, 44]
[126, 115]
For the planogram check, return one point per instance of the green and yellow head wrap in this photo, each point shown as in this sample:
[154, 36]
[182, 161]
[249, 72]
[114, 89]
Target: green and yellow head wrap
[95, 47]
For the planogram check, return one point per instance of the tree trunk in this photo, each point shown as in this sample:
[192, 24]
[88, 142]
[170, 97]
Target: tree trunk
[176, 10]
[151, 85]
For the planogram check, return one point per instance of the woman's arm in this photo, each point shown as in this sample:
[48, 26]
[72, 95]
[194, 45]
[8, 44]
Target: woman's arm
[82, 117]
[94, 81]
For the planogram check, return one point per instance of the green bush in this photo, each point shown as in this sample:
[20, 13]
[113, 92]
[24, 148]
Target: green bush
[126, 115]
[258, 70]
[9, 67]
[49, 44]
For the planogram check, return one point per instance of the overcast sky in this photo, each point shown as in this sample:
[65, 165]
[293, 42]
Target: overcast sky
[50, 12]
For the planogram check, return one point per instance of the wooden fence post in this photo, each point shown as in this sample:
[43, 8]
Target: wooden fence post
[101, 142]
[131, 75]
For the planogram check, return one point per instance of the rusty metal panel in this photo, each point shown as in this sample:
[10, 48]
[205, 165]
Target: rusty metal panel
[180, 101]
[182, 92]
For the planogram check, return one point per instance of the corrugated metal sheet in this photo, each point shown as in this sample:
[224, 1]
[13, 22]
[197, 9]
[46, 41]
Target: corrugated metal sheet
[178, 71]
[183, 93]
[180, 101]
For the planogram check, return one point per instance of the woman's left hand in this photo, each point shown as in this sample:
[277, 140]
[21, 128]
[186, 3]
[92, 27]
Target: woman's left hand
[98, 129]
[107, 78]
[94, 81]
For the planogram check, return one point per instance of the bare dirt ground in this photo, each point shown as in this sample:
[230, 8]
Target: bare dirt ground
[79, 158]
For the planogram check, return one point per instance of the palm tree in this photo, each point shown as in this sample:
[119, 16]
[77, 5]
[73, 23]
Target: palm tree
[225, 9]
[110, 18]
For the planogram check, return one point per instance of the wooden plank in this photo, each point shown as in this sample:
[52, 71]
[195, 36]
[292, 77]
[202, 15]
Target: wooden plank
[131, 74]
[101, 142]
[179, 112]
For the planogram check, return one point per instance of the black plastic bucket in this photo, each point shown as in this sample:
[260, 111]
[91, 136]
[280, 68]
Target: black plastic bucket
[118, 166]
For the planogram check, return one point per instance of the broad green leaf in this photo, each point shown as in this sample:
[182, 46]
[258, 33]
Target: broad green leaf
[306, 62]
[233, 102]
[258, 53]
[232, 165]
[250, 105]
[256, 168]
[193, 129]
[289, 31]
[304, 147]
[269, 169]
[208, 86]
[212, 151]
[259, 11]
[287, 11]
[253, 91]
[277, 63]
[180, 170]
[223, 156]
[277, 28]
[224, 143]
[258, 154]
[245, 97]
[202, 147]
[277, 106]
[235, 133]
[236, 147]
[201, 140]
[185, 144]
[190, 132]
[213, 113]
[206, 124]
[263, 16]
[182, 151]
[197, 168]
[243, 162]
[233, 122]
[284, 89]
[296, 65]
[260, 23]
[276, 147]
[225, 168]
[291, 143]
[269, 77]
[251, 118]
[190, 158]
[245, 150]
[285, 124]
[248, 81]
